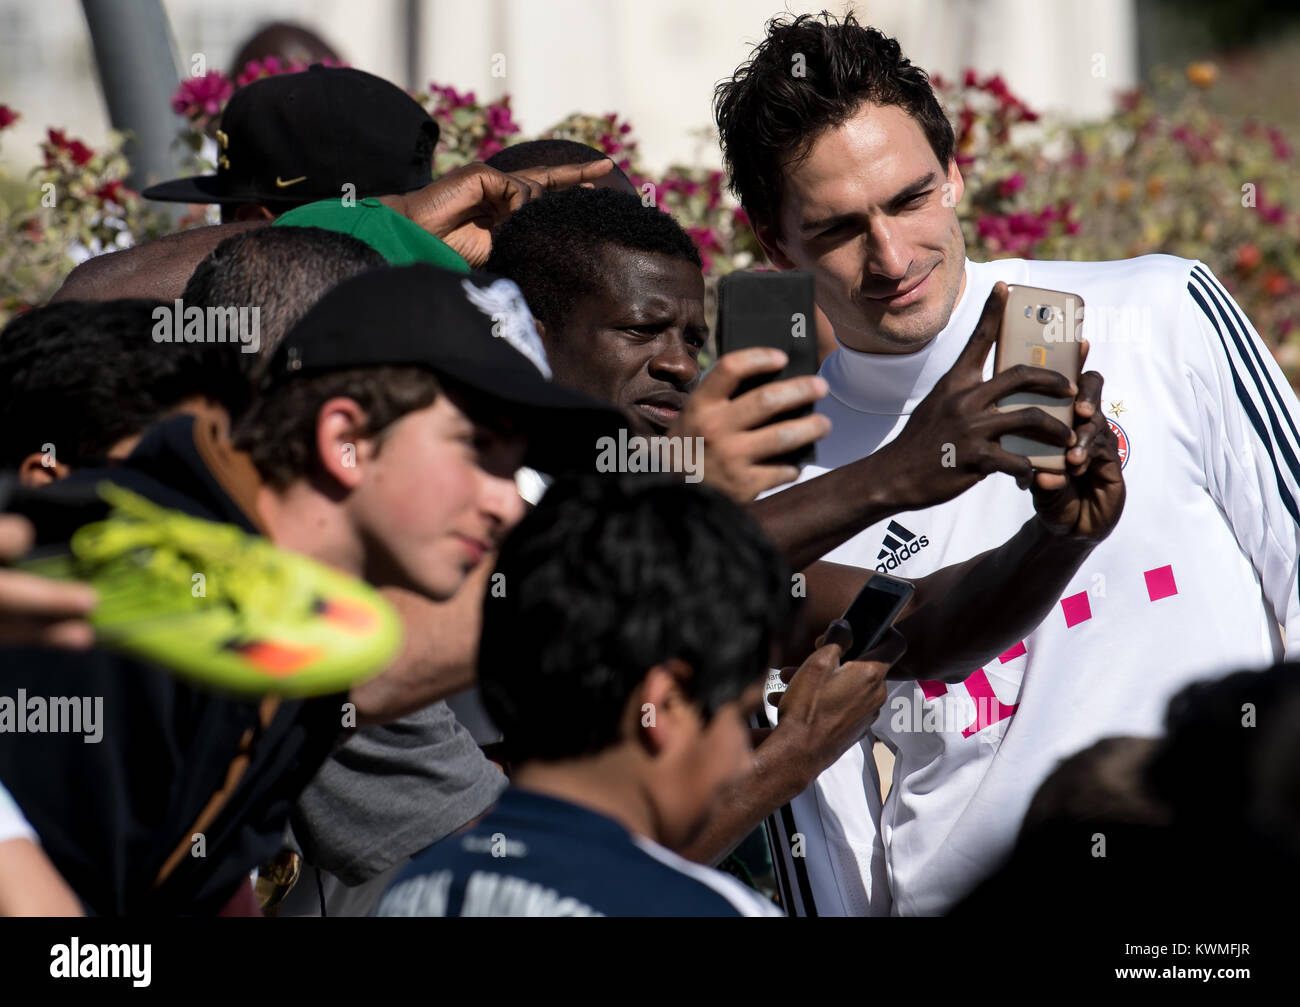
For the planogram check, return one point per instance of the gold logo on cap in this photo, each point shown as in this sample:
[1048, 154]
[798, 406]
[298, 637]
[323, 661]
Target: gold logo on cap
[223, 140]
[282, 183]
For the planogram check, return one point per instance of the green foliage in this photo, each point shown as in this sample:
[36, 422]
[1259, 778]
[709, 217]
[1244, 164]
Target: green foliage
[75, 199]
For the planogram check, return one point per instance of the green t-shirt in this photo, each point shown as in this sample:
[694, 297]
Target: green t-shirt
[399, 240]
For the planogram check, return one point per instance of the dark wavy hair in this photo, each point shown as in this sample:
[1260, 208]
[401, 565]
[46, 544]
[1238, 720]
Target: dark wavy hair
[552, 247]
[84, 375]
[810, 74]
[609, 577]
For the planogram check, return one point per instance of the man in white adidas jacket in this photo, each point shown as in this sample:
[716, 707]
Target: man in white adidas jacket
[847, 170]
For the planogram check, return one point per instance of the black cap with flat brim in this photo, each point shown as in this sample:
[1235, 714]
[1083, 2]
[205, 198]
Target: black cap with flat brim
[321, 133]
[475, 330]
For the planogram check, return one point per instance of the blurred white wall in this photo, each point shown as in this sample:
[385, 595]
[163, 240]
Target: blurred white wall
[655, 64]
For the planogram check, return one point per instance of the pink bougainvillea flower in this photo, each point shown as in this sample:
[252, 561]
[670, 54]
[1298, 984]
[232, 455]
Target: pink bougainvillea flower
[7, 116]
[965, 121]
[1270, 213]
[112, 192]
[57, 143]
[996, 86]
[1281, 149]
[257, 69]
[80, 153]
[706, 241]
[205, 96]
[714, 189]
[273, 65]
[499, 119]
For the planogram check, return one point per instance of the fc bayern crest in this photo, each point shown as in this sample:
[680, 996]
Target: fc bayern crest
[1123, 441]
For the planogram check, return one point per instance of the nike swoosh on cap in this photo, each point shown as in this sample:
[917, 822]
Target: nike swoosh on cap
[282, 184]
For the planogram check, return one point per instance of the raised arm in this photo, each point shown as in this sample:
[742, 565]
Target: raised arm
[827, 707]
[960, 618]
[157, 269]
[950, 442]
[965, 614]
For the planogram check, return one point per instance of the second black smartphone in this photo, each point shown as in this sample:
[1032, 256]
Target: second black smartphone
[874, 610]
[777, 310]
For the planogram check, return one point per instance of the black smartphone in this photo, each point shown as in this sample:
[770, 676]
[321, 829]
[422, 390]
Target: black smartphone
[777, 310]
[874, 610]
[870, 614]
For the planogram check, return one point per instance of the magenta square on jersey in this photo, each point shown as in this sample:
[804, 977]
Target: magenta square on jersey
[933, 690]
[1160, 582]
[1076, 609]
[1013, 653]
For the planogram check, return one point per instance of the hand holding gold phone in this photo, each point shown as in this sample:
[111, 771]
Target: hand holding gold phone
[1040, 328]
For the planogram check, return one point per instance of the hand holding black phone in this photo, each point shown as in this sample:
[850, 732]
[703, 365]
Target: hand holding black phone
[868, 617]
[873, 611]
[776, 310]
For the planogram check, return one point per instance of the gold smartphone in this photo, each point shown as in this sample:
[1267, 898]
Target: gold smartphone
[1041, 328]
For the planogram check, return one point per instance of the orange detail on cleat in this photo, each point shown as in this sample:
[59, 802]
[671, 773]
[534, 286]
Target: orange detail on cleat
[277, 659]
[348, 615]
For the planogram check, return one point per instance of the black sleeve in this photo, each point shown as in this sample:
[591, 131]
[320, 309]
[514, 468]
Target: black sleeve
[110, 794]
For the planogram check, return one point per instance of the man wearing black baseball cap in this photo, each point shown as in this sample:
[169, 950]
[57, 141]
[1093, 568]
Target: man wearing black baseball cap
[447, 222]
[389, 339]
[416, 354]
[473, 333]
[385, 444]
[296, 138]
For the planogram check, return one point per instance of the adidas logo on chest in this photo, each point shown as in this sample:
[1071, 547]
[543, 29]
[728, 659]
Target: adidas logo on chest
[898, 546]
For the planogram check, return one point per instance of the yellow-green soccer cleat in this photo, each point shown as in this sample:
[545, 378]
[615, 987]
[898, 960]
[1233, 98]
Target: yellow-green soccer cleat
[223, 607]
